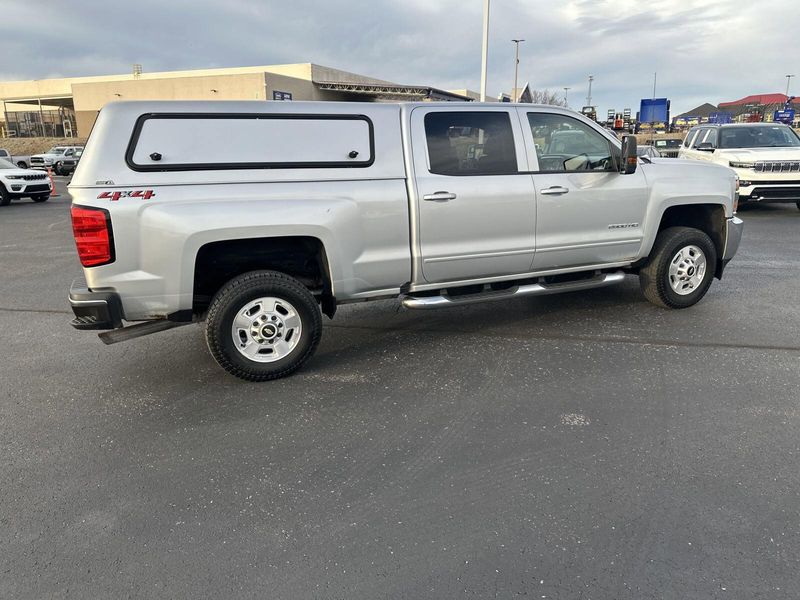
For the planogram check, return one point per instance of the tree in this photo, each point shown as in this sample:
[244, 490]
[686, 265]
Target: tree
[547, 97]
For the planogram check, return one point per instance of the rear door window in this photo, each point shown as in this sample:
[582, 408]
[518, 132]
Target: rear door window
[470, 143]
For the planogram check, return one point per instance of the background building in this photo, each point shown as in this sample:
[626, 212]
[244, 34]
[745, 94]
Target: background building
[68, 107]
[755, 108]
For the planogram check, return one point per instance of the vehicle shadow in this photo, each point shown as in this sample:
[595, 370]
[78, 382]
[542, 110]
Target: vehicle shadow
[363, 346]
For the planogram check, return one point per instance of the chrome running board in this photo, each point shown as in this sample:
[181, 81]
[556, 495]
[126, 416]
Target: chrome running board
[529, 289]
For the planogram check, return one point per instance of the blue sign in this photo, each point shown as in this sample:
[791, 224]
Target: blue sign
[784, 116]
[654, 110]
[720, 118]
[276, 95]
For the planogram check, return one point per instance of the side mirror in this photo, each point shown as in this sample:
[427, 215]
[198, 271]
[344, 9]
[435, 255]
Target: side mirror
[706, 147]
[629, 158]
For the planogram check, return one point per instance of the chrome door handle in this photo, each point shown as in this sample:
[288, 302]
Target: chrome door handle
[439, 197]
[556, 190]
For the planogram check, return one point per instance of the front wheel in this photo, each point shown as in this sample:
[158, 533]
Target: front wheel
[680, 268]
[263, 325]
[40, 197]
[58, 169]
[798, 205]
[5, 197]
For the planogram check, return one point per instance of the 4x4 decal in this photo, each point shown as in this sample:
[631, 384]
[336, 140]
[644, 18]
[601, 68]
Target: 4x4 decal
[114, 196]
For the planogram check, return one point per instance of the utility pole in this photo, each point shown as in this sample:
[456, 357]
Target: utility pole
[655, 77]
[485, 60]
[589, 97]
[566, 90]
[788, 80]
[514, 94]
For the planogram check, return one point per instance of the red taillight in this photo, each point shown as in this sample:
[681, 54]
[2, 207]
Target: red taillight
[92, 230]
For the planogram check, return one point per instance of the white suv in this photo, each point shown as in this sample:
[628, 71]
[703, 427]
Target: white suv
[765, 156]
[22, 183]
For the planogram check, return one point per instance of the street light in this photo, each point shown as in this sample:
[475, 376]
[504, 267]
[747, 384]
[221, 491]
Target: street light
[788, 79]
[485, 59]
[514, 94]
[566, 90]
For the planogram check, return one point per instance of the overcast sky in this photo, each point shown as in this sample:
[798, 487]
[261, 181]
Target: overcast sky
[703, 50]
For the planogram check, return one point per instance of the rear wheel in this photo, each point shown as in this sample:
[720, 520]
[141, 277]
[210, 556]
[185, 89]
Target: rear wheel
[263, 325]
[40, 197]
[5, 197]
[680, 269]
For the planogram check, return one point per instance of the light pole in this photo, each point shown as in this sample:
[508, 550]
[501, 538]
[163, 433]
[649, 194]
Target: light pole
[485, 59]
[514, 94]
[566, 90]
[589, 97]
[788, 79]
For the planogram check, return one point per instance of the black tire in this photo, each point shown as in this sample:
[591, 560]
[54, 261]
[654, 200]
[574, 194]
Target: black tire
[5, 197]
[22, 164]
[654, 277]
[40, 197]
[798, 205]
[234, 297]
[57, 168]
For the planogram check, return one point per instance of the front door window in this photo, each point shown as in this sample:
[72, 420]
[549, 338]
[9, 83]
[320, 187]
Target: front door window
[566, 144]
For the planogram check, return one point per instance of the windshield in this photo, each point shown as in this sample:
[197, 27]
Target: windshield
[758, 137]
[56, 150]
[4, 164]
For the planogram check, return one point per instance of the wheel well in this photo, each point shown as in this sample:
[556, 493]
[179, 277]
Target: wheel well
[301, 257]
[709, 218]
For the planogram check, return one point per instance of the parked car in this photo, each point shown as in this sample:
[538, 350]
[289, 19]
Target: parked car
[303, 206]
[667, 148]
[765, 157]
[22, 161]
[647, 151]
[22, 183]
[54, 158]
[69, 164]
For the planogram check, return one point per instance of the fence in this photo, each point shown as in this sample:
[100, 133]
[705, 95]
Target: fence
[47, 123]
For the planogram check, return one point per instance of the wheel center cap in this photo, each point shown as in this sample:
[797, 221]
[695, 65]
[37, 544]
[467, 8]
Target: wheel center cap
[268, 331]
[690, 271]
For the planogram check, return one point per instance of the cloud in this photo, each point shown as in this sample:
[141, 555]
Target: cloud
[703, 50]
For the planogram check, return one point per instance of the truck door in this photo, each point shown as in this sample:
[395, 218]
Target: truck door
[476, 211]
[587, 212]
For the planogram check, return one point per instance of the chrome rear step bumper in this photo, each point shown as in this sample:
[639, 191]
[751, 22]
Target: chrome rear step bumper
[530, 289]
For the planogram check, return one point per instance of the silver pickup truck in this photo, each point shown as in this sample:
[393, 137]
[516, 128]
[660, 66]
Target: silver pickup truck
[22, 161]
[257, 217]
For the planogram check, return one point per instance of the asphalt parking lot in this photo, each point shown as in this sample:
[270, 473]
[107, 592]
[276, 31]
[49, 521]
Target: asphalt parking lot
[586, 446]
